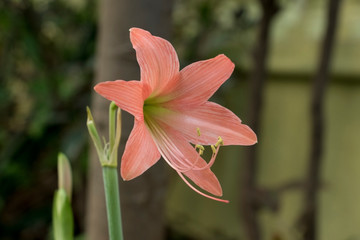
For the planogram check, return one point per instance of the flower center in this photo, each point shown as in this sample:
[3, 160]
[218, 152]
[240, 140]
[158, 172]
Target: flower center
[154, 113]
[153, 108]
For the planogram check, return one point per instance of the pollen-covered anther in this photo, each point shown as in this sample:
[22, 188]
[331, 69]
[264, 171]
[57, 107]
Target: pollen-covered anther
[198, 131]
[200, 148]
[215, 150]
[220, 142]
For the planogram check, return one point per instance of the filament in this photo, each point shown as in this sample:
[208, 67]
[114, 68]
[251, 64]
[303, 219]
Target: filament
[199, 192]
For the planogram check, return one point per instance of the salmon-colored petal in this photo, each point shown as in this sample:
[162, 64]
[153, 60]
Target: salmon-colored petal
[205, 179]
[181, 156]
[140, 152]
[198, 81]
[159, 64]
[128, 95]
[213, 121]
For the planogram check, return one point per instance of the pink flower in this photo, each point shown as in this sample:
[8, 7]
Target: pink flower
[171, 108]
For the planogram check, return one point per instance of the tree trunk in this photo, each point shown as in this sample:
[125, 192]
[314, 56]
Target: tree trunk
[250, 197]
[308, 221]
[142, 199]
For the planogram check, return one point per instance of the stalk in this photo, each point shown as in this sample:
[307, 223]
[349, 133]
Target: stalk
[107, 154]
[112, 196]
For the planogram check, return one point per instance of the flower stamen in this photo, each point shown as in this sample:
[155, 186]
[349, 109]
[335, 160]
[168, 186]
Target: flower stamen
[170, 152]
[174, 156]
[200, 148]
[198, 191]
[198, 131]
[215, 150]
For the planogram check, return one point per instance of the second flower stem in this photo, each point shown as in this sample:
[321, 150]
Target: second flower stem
[111, 184]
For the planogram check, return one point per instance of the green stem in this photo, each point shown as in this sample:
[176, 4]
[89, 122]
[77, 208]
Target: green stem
[111, 184]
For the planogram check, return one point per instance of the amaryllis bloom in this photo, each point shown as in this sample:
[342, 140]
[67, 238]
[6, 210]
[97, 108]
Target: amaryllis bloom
[171, 111]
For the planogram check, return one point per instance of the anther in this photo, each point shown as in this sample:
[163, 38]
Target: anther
[198, 131]
[213, 149]
[201, 148]
[219, 142]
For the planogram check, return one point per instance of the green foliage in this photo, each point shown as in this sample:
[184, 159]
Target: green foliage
[208, 27]
[62, 214]
[46, 59]
[63, 222]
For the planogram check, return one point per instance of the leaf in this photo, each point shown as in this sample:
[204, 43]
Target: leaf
[63, 222]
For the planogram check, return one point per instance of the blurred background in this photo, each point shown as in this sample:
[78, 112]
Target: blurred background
[296, 82]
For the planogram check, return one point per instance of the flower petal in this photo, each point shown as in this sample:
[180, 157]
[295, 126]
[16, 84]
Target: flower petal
[140, 152]
[205, 179]
[159, 64]
[198, 81]
[183, 158]
[213, 121]
[128, 95]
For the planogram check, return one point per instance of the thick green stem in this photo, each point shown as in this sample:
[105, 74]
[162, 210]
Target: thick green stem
[111, 184]
[108, 159]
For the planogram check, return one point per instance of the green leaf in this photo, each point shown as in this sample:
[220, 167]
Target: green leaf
[63, 222]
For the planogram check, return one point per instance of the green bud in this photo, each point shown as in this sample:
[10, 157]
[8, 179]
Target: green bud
[64, 174]
[95, 137]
